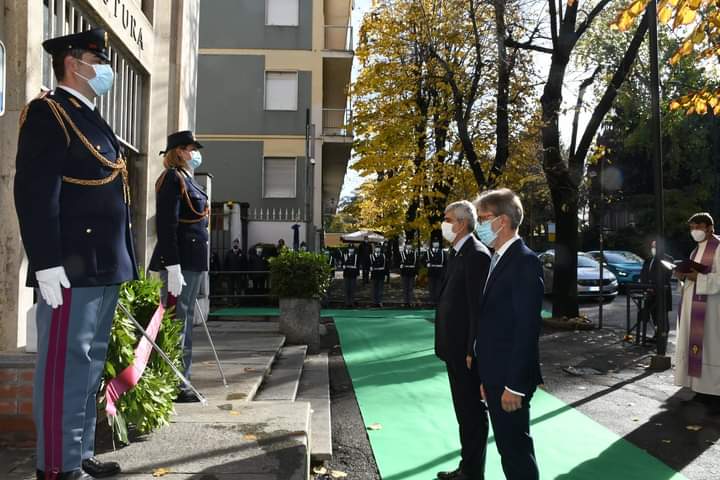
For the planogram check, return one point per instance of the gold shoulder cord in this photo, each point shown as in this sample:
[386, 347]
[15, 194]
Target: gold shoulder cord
[119, 167]
[183, 189]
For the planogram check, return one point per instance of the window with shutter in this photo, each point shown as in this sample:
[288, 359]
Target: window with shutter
[285, 13]
[279, 175]
[281, 91]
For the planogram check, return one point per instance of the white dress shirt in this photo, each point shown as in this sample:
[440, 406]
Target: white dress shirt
[80, 96]
[460, 243]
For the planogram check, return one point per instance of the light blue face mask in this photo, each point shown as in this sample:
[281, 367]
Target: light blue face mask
[102, 82]
[485, 232]
[195, 160]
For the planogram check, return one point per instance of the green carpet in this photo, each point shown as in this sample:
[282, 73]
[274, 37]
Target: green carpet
[401, 385]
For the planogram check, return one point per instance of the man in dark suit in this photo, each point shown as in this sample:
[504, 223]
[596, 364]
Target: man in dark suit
[73, 206]
[460, 293]
[647, 275]
[506, 331]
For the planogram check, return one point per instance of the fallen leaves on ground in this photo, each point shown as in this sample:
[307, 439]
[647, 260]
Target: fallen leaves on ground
[250, 437]
[161, 472]
[694, 428]
[375, 426]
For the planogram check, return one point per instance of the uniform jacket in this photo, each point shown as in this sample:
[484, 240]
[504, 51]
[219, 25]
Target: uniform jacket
[182, 231]
[436, 262]
[459, 302]
[84, 228]
[350, 265]
[508, 325]
[378, 265]
[408, 264]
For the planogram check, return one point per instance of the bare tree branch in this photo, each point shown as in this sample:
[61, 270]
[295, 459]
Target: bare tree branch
[576, 118]
[591, 16]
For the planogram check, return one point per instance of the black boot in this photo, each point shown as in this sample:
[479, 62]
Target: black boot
[99, 469]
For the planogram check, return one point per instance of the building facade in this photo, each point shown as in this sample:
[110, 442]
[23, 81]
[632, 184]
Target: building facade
[153, 45]
[273, 79]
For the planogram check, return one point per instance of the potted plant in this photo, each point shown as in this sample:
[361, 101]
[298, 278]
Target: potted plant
[300, 279]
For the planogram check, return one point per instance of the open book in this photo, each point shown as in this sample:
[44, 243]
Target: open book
[689, 266]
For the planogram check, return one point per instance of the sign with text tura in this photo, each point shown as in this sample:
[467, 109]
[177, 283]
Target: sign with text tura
[128, 22]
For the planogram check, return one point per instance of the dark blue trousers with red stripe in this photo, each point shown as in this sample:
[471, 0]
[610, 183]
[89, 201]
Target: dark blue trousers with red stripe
[72, 347]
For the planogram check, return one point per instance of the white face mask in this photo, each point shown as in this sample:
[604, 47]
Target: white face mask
[698, 235]
[653, 251]
[447, 232]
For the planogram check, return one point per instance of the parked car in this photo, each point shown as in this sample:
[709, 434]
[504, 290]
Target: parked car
[625, 265]
[588, 276]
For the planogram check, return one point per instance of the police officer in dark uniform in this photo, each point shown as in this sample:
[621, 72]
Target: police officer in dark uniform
[235, 262]
[436, 261]
[408, 273]
[73, 204]
[258, 263]
[378, 267]
[181, 253]
[350, 266]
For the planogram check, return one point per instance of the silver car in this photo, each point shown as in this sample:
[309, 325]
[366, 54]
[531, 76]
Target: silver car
[588, 276]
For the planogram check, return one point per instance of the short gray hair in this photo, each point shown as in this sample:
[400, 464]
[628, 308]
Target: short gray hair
[502, 202]
[464, 210]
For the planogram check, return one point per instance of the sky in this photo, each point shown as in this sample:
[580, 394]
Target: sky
[573, 79]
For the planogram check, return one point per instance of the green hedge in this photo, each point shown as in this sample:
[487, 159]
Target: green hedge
[295, 274]
[149, 405]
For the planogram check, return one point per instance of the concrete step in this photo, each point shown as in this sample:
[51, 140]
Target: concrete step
[224, 441]
[315, 389]
[250, 326]
[245, 356]
[283, 381]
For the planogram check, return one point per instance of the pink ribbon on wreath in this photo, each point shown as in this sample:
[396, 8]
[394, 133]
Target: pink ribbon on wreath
[130, 376]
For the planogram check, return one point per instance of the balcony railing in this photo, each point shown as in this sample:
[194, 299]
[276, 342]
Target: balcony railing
[337, 121]
[339, 38]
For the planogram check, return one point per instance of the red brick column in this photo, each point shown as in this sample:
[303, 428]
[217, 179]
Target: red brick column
[16, 388]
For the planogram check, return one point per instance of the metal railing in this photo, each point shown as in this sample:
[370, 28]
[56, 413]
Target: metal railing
[339, 38]
[337, 121]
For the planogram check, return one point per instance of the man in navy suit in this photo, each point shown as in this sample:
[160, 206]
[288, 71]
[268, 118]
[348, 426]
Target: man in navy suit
[460, 293]
[506, 331]
[73, 206]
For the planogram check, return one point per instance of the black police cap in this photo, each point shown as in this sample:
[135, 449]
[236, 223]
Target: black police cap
[180, 139]
[95, 41]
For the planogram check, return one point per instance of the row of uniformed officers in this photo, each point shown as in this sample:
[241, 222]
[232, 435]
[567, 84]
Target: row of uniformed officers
[411, 259]
[73, 204]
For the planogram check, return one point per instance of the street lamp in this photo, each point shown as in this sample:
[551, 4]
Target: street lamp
[660, 361]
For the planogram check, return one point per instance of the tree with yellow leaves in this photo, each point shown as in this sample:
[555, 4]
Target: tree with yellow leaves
[426, 110]
[699, 22]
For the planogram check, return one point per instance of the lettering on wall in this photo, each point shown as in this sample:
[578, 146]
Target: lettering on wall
[123, 13]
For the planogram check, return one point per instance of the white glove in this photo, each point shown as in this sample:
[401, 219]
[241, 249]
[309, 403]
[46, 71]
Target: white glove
[50, 282]
[175, 280]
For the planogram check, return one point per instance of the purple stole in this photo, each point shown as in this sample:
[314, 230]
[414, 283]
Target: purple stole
[698, 310]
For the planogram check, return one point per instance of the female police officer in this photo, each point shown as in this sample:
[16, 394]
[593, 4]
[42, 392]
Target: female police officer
[181, 253]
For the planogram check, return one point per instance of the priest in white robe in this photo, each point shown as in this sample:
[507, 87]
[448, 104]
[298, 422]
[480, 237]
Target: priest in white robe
[697, 356]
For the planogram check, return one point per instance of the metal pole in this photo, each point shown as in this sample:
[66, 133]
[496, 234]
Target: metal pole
[212, 344]
[602, 251]
[163, 355]
[660, 361]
